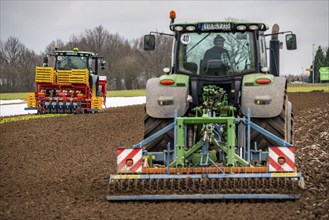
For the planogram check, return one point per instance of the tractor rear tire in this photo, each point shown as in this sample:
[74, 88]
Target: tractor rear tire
[281, 126]
[153, 125]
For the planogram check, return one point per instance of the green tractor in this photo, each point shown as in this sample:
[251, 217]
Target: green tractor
[218, 124]
[236, 61]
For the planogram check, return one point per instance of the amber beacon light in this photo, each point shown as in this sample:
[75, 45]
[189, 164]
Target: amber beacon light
[172, 15]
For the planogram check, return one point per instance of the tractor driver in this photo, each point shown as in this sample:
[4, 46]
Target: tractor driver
[69, 64]
[216, 60]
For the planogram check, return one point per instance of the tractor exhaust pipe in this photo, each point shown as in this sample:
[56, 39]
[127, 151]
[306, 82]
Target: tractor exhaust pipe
[275, 51]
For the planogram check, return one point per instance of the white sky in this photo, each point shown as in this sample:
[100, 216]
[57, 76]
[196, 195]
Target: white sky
[37, 23]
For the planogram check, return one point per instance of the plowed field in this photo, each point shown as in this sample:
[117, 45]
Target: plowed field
[58, 168]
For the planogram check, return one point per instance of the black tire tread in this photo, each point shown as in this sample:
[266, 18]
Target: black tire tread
[153, 125]
[276, 125]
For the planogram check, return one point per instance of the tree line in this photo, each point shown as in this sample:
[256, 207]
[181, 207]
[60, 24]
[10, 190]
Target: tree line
[321, 59]
[128, 65]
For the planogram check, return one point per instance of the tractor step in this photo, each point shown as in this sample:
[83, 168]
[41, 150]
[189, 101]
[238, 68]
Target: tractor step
[204, 197]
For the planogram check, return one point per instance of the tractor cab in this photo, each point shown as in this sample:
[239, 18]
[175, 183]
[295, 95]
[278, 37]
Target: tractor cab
[75, 59]
[219, 48]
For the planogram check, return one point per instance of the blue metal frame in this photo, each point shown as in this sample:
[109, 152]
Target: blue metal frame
[248, 135]
[94, 111]
[246, 121]
[154, 136]
[270, 135]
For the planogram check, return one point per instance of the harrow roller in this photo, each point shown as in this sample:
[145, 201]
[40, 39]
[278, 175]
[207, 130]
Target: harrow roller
[202, 188]
[203, 197]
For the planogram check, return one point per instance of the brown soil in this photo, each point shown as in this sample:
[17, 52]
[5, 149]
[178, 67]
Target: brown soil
[58, 168]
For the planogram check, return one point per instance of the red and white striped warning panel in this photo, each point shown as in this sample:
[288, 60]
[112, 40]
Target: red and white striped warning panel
[281, 159]
[129, 160]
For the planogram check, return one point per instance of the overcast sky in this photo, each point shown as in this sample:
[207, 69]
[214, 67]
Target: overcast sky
[37, 23]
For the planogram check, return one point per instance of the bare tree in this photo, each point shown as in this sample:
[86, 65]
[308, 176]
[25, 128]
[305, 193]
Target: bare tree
[51, 46]
[155, 61]
[27, 70]
[11, 55]
[128, 65]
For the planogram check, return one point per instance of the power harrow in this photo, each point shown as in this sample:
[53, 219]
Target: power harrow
[211, 158]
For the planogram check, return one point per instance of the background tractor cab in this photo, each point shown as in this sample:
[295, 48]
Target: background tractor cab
[67, 60]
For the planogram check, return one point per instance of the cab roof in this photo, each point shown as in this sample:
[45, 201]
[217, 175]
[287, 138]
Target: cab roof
[225, 26]
[73, 53]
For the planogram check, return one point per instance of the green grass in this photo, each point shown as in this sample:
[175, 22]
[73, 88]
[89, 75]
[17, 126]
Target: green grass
[11, 96]
[4, 120]
[307, 87]
[126, 93]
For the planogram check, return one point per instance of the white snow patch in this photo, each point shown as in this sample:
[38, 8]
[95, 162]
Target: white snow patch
[10, 107]
[15, 101]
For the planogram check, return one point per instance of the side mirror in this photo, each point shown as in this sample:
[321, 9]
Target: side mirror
[103, 63]
[291, 42]
[149, 42]
[45, 61]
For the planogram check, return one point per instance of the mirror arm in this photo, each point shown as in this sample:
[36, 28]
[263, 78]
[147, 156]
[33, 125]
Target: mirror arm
[283, 32]
[160, 33]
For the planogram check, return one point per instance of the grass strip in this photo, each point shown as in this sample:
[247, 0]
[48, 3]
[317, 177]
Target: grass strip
[4, 120]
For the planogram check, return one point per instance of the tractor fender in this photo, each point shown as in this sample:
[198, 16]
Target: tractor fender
[161, 101]
[264, 101]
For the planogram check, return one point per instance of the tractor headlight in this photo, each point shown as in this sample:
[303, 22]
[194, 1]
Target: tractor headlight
[241, 27]
[179, 28]
[253, 27]
[190, 28]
